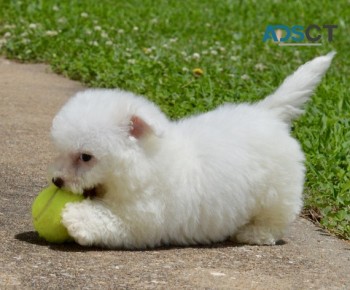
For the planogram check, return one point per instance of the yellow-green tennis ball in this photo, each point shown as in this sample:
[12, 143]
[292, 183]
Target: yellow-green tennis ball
[46, 212]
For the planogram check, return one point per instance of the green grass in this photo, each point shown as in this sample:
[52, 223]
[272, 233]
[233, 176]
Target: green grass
[152, 47]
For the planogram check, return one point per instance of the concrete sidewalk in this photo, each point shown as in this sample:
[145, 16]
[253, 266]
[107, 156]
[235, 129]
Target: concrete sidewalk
[30, 95]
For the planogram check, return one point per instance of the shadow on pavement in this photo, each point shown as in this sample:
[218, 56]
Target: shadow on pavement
[32, 237]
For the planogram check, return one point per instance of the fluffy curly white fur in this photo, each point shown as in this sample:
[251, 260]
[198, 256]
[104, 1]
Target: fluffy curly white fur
[232, 172]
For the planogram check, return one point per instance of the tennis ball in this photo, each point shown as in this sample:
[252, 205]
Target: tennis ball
[46, 213]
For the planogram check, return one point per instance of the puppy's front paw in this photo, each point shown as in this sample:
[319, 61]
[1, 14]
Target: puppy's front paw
[75, 217]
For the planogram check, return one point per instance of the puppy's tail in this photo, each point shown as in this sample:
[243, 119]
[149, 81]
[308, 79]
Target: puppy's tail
[287, 101]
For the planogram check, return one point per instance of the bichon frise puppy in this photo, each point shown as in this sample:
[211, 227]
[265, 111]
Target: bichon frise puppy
[233, 172]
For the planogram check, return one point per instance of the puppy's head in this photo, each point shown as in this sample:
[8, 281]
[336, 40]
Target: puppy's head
[105, 140]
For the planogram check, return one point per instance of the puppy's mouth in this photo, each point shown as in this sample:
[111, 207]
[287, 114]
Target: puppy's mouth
[97, 191]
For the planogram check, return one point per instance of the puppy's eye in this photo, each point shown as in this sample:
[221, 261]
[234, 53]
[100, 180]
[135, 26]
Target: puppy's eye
[85, 157]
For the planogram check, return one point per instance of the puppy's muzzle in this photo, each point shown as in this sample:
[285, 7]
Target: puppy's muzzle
[58, 182]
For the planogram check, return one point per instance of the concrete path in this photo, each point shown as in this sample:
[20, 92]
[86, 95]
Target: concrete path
[30, 95]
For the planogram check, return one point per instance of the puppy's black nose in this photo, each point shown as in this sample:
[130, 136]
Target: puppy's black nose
[58, 181]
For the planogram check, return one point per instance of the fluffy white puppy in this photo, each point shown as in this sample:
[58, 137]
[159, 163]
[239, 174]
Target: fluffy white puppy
[232, 172]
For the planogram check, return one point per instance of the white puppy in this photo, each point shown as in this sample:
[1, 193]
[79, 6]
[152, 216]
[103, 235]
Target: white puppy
[232, 172]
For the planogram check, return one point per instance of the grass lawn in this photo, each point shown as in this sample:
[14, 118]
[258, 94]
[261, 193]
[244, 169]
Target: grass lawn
[190, 56]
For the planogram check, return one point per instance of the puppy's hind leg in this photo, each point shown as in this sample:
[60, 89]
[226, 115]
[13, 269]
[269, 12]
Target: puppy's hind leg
[92, 223]
[269, 225]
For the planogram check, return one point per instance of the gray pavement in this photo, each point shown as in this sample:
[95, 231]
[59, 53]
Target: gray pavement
[30, 95]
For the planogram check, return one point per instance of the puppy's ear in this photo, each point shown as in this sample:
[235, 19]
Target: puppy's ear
[139, 128]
